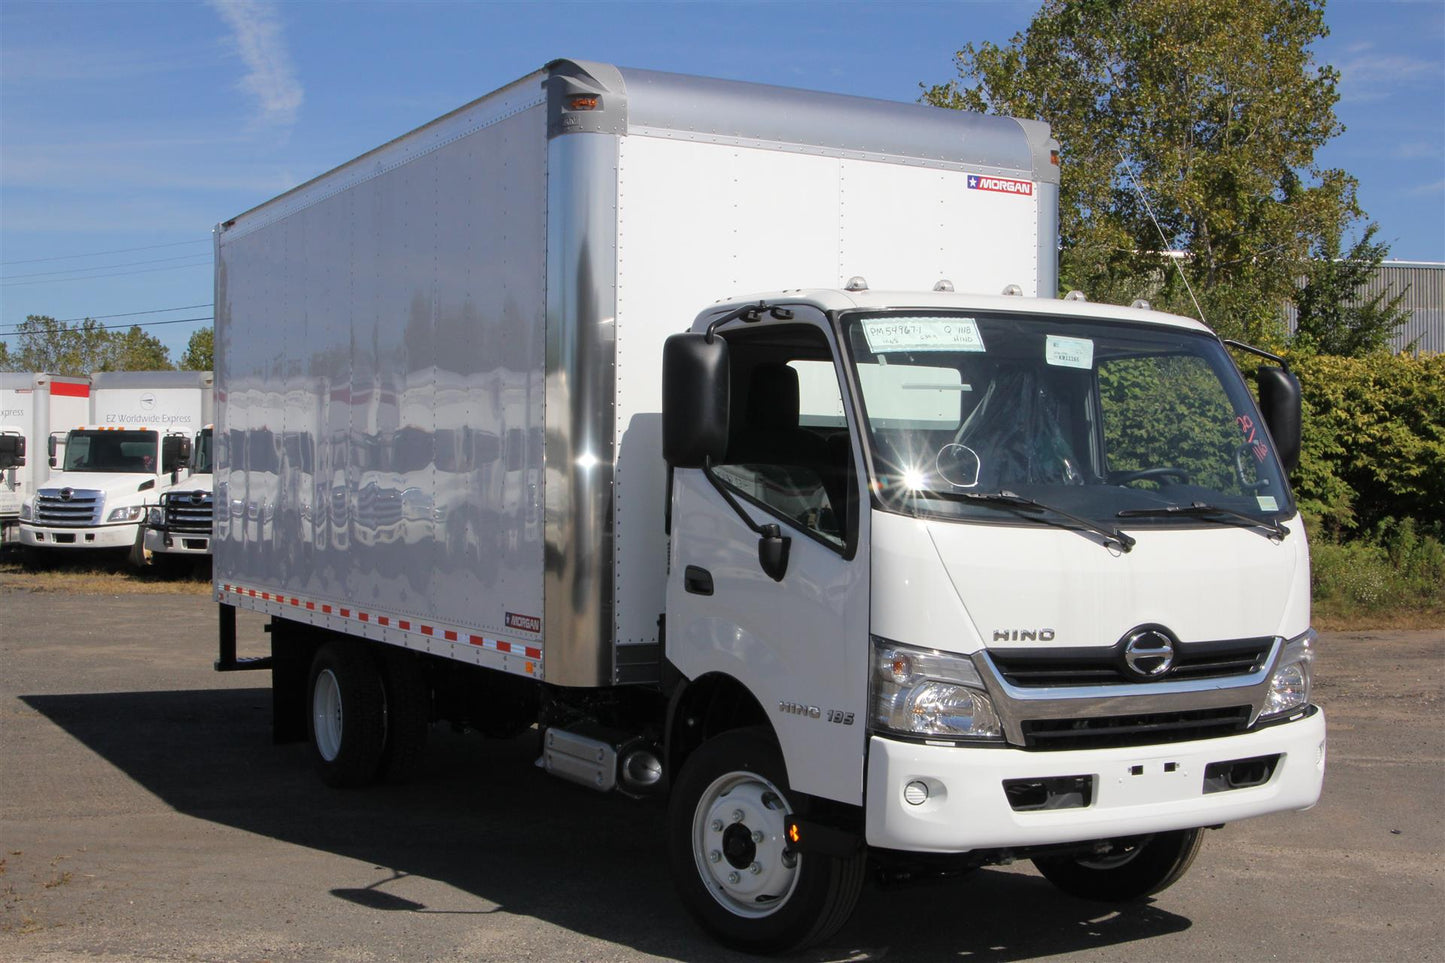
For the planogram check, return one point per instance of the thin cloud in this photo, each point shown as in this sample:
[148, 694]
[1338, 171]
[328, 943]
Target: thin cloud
[1368, 76]
[270, 76]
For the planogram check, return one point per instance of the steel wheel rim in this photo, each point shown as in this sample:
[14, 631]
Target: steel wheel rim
[326, 715]
[740, 847]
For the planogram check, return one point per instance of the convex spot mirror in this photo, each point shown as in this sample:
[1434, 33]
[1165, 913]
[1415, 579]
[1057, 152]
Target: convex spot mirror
[695, 398]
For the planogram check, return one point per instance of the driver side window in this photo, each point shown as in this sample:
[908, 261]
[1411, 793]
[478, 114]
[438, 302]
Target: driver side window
[789, 449]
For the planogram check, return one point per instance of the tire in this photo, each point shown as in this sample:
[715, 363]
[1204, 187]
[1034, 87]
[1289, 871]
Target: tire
[348, 715]
[1136, 868]
[734, 874]
[408, 715]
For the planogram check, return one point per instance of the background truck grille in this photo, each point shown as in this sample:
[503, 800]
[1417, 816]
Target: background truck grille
[1036, 668]
[186, 514]
[1134, 730]
[82, 508]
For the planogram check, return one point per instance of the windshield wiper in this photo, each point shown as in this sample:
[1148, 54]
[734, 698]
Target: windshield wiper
[1206, 511]
[1009, 500]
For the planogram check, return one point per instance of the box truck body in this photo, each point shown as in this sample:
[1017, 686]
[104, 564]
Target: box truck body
[31, 406]
[135, 444]
[448, 371]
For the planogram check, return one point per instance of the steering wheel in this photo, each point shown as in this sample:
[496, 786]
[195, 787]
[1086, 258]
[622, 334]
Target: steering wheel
[1149, 474]
[1243, 462]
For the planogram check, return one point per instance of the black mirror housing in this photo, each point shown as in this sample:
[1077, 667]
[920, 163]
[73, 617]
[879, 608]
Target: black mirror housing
[12, 451]
[1279, 403]
[175, 452]
[695, 397]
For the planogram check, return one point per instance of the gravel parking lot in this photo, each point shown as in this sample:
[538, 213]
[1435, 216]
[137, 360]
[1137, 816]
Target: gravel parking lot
[145, 815]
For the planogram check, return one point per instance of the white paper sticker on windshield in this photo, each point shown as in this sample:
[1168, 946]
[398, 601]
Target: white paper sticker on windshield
[922, 334]
[1069, 352]
[1267, 503]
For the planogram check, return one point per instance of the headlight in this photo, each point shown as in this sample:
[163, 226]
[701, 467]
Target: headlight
[156, 517]
[25, 511]
[126, 514]
[1289, 687]
[923, 692]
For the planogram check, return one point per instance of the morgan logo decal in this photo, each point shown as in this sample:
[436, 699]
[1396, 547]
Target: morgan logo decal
[524, 623]
[1000, 185]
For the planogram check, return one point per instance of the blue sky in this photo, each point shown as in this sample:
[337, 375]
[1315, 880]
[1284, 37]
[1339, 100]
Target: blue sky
[128, 130]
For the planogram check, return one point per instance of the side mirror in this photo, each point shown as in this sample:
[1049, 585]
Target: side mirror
[12, 451]
[50, 449]
[773, 550]
[1279, 402]
[695, 398]
[175, 452]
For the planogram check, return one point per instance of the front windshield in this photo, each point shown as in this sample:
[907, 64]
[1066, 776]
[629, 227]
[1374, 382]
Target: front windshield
[201, 453]
[1094, 418]
[111, 451]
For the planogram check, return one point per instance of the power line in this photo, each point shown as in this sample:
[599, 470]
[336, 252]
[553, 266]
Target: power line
[123, 250]
[132, 314]
[97, 277]
[101, 267]
[138, 324]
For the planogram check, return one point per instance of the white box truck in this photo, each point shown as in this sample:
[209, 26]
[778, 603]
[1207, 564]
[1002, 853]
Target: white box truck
[178, 527]
[135, 444]
[903, 573]
[30, 403]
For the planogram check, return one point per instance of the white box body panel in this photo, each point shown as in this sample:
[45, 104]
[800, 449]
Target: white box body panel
[33, 405]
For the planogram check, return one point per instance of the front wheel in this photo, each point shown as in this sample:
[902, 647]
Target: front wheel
[1130, 869]
[730, 859]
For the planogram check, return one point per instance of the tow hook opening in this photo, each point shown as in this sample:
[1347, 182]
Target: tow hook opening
[1239, 773]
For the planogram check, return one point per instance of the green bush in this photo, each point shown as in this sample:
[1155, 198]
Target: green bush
[1374, 440]
[1396, 566]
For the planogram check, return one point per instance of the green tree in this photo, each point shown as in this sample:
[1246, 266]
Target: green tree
[60, 347]
[200, 354]
[1202, 116]
[1332, 318]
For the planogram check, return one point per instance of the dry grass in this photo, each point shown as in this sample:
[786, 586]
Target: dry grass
[98, 574]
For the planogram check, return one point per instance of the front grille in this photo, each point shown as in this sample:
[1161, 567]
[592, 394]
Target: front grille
[185, 515]
[1038, 668]
[81, 509]
[1134, 730]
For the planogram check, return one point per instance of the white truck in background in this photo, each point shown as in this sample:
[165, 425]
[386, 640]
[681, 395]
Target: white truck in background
[908, 575]
[108, 472]
[30, 404]
[178, 527]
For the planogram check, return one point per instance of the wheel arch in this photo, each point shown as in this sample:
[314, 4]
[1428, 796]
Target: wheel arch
[705, 707]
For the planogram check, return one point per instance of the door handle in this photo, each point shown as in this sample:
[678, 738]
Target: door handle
[697, 580]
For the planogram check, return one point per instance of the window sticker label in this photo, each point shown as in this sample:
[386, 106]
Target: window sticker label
[1069, 352]
[1267, 503]
[1000, 185]
[922, 334]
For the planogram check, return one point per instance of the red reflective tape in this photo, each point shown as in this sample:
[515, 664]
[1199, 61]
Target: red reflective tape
[450, 636]
[363, 616]
[404, 624]
[67, 389]
[427, 630]
[476, 640]
[504, 646]
[311, 606]
[534, 653]
[326, 609]
[383, 620]
[346, 613]
[295, 601]
[253, 592]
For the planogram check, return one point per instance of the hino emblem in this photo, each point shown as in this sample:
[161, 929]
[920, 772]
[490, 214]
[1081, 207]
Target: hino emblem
[1148, 653]
[66, 494]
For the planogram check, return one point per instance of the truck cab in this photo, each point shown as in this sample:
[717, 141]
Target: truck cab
[180, 524]
[102, 485]
[1003, 573]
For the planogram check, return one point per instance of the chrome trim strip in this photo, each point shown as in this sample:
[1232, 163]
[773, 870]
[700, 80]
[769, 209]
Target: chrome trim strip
[1016, 705]
[580, 414]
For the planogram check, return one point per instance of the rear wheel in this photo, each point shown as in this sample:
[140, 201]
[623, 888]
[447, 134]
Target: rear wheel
[348, 715]
[729, 855]
[1131, 869]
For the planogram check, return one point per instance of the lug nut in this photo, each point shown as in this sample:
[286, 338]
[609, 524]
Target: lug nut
[757, 835]
[717, 825]
[734, 878]
[738, 815]
[714, 856]
[755, 868]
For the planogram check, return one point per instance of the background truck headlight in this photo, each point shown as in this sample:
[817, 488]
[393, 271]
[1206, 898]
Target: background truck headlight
[923, 692]
[25, 510]
[156, 517]
[126, 514]
[1289, 686]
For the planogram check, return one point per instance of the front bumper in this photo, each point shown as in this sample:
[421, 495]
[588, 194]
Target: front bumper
[99, 536]
[176, 543]
[1137, 790]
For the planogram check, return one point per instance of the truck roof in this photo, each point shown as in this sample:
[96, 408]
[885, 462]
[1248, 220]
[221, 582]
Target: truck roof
[833, 299]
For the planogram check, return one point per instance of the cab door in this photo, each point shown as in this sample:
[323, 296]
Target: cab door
[798, 642]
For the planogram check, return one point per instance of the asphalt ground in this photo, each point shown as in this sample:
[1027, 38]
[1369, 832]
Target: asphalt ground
[145, 815]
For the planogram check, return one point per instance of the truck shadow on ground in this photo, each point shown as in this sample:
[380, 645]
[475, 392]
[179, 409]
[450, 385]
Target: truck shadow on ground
[480, 817]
